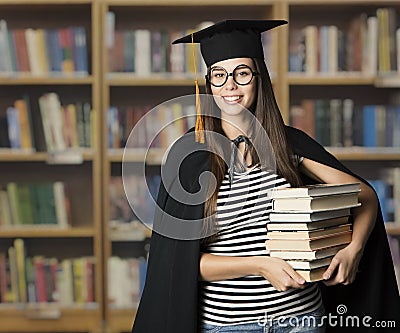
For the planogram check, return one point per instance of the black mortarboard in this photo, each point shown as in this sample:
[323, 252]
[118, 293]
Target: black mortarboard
[231, 39]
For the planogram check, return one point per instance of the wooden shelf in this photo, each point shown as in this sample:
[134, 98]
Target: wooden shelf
[50, 318]
[365, 154]
[10, 155]
[388, 81]
[25, 79]
[152, 156]
[45, 232]
[121, 320]
[167, 79]
[342, 2]
[129, 232]
[393, 230]
[44, 2]
[186, 3]
[352, 78]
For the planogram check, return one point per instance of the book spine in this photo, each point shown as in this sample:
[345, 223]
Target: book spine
[14, 127]
[5, 59]
[12, 257]
[59, 200]
[20, 259]
[143, 52]
[369, 126]
[81, 60]
[12, 191]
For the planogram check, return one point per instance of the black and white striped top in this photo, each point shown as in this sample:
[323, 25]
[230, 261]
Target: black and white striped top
[242, 213]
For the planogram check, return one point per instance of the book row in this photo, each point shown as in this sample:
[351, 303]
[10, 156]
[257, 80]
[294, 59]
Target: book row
[43, 51]
[126, 277]
[156, 128]
[143, 51]
[49, 126]
[370, 44]
[34, 204]
[388, 190]
[141, 194]
[340, 123]
[38, 279]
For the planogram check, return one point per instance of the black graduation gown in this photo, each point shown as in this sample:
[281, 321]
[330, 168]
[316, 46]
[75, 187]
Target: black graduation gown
[170, 297]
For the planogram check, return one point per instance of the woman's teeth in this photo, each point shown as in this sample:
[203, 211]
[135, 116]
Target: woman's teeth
[231, 98]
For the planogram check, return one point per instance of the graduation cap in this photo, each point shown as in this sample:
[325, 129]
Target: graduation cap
[228, 39]
[231, 39]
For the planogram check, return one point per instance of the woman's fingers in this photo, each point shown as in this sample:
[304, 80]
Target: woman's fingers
[296, 276]
[331, 269]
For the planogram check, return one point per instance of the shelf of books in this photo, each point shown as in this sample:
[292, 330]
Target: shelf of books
[343, 78]
[50, 226]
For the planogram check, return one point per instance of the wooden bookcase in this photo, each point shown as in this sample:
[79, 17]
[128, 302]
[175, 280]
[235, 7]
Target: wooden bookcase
[89, 182]
[362, 87]
[82, 178]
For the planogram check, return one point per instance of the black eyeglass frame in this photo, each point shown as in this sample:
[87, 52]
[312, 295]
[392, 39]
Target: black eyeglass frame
[230, 74]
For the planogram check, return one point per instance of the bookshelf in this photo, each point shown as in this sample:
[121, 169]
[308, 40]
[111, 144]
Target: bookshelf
[358, 81]
[353, 85]
[79, 169]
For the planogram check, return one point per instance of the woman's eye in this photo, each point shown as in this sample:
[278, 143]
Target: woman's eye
[243, 73]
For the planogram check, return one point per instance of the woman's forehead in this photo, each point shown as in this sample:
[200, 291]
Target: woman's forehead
[230, 64]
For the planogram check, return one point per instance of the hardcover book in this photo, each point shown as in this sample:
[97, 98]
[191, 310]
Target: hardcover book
[309, 244]
[304, 226]
[314, 190]
[310, 264]
[298, 235]
[308, 216]
[313, 274]
[311, 204]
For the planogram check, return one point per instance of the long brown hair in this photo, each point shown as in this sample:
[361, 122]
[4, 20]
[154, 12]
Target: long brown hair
[267, 113]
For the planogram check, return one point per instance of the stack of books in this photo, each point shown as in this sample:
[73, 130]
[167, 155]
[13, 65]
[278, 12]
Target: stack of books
[309, 225]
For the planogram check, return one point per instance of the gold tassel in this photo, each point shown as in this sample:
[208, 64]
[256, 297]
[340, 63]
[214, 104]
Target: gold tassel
[199, 128]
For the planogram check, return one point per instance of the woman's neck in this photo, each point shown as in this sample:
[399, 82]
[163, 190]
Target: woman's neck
[234, 129]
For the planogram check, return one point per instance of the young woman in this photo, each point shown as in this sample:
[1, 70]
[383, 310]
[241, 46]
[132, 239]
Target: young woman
[227, 282]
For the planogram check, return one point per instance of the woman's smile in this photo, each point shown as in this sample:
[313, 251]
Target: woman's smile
[232, 99]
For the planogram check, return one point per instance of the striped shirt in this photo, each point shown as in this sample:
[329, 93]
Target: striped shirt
[242, 214]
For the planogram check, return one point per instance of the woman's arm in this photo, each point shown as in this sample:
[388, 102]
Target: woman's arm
[279, 273]
[345, 263]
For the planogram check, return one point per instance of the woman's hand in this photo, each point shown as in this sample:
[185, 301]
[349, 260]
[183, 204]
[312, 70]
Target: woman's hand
[344, 266]
[279, 273]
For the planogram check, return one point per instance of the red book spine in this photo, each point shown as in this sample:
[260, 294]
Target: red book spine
[40, 279]
[90, 280]
[22, 57]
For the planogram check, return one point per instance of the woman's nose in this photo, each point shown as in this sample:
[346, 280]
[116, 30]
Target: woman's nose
[230, 83]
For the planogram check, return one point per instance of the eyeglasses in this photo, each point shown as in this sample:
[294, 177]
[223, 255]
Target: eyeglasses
[242, 75]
